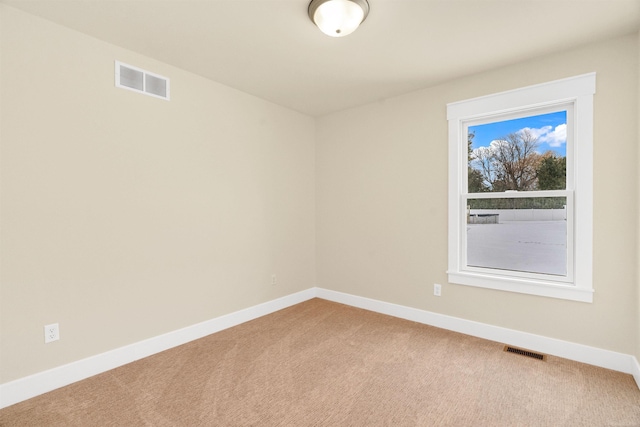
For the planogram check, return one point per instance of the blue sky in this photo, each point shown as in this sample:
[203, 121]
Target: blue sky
[550, 129]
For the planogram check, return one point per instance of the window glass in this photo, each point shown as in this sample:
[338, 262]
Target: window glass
[526, 235]
[523, 154]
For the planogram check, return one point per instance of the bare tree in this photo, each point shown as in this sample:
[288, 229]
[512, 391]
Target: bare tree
[485, 164]
[509, 163]
[475, 179]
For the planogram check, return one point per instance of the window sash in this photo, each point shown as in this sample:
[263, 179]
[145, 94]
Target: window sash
[565, 280]
[552, 107]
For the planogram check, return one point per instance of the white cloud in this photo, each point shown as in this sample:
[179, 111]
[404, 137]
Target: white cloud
[548, 135]
[557, 137]
[495, 144]
[538, 132]
[487, 151]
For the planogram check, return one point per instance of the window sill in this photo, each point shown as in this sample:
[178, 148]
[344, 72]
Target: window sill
[523, 286]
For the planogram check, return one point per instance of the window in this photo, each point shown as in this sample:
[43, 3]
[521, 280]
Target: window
[520, 190]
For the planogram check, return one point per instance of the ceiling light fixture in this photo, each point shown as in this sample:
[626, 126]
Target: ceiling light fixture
[338, 18]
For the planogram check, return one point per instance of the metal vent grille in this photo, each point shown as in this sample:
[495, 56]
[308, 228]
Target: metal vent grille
[155, 85]
[131, 78]
[141, 81]
[526, 353]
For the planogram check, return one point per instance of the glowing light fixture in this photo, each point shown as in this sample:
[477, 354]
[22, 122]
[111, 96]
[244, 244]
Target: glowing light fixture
[338, 18]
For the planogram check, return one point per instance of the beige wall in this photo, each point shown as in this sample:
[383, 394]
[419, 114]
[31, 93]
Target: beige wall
[125, 216]
[382, 202]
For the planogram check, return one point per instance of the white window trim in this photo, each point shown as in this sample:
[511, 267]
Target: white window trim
[578, 91]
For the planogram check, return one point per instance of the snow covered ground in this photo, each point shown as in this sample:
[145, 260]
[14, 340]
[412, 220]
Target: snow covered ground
[531, 246]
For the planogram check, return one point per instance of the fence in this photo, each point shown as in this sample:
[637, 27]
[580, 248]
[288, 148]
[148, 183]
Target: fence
[488, 216]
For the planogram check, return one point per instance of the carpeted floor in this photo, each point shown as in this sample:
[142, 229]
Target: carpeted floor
[325, 364]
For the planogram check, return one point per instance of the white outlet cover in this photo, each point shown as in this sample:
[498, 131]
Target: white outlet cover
[51, 333]
[437, 289]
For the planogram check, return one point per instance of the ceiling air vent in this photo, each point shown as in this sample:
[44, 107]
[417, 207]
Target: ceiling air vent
[138, 80]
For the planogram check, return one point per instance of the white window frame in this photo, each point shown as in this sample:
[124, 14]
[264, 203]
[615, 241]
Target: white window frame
[575, 95]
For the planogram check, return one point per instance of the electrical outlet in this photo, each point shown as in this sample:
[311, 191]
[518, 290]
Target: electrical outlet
[437, 289]
[51, 333]
[274, 280]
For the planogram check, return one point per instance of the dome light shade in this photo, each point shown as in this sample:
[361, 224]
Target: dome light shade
[338, 18]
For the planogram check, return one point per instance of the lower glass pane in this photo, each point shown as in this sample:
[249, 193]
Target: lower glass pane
[524, 234]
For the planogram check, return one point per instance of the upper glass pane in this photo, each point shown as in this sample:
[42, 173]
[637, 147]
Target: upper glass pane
[522, 154]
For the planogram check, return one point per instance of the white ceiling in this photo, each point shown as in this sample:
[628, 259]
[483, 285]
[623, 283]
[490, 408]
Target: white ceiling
[270, 48]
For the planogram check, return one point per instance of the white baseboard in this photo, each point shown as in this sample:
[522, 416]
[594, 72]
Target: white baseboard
[42, 382]
[568, 350]
[635, 370]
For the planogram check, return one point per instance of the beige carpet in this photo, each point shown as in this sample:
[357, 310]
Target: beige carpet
[325, 364]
